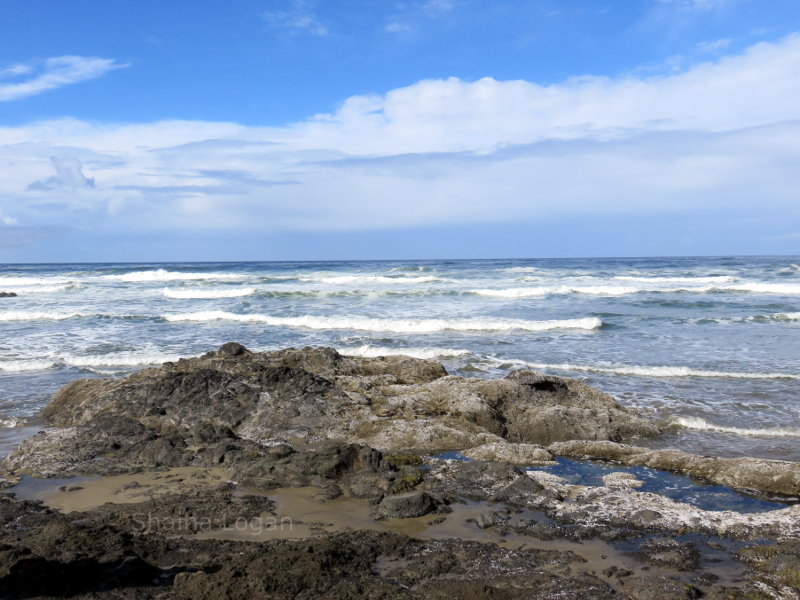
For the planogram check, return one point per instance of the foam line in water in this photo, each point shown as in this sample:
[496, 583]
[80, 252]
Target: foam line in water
[393, 325]
[26, 315]
[201, 293]
[702, 425]
[426, 352]
[369, 279]
[121, 359]
[164, 275]
[659, 371]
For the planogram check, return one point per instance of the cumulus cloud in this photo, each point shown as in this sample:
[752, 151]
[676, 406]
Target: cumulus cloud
[53, 73]
[722, 136]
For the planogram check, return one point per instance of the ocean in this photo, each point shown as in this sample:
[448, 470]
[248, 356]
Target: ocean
[707, 346]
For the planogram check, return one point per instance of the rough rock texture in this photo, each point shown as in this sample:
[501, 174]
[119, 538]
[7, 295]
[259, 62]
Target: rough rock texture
[44, 554]
[759, 474]
[407, 506]
[227, 406]
[611, 511]
[517, 454]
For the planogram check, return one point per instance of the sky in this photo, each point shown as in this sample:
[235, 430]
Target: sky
[374, 129]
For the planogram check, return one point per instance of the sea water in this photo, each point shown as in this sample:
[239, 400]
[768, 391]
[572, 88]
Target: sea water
[707, 346]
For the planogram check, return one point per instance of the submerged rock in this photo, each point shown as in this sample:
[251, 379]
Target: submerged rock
[227, 406]
[758, 474]
[8, 295]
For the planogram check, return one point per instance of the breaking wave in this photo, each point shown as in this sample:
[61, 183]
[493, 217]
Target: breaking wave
[164, 275]
[644, 371]
[427, 352]
[201, 293]
[109, 360]
[392, 325]
[702, 425]
[369, 279]
[25, 315]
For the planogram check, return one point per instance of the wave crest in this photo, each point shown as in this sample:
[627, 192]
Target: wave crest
[392, 325]
[702, 425]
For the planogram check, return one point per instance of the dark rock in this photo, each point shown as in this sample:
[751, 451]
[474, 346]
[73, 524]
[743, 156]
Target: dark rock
[8, 295]
[666, 552]
[408, 506]
[659, 588]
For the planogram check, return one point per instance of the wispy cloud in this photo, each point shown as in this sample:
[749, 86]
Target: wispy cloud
[722, 135]
[409, 16]
[699, 5]
[29, 80]
[298, 17]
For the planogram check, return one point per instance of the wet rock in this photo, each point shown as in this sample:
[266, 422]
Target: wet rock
[667, 552]
[659, 588]
[409, 505]
[228, 405]
[518, 454]
[772, 476]
[8, 295]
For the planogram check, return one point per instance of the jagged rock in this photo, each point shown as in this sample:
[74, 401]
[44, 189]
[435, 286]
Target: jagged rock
[771, 476]
[226, 406]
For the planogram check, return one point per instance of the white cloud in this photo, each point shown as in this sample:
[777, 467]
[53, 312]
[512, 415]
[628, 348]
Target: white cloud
[721, 135]
[299, 17]
[54, 73]
[69, 174]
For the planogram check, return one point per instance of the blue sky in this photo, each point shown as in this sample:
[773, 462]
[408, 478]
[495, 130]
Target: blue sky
[368, 129]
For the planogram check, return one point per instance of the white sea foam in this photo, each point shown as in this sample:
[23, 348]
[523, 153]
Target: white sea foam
[164, 275]
[703, 425]
[528, 292]
[120, 359]
[521, 270]
[25, 315]
[621, 290]
[11, 422]
[208, 293]
[699, 279]
[659, 371]
[20, 366]
[369, 279]
[426, 352]
[41, 289]
[393, 325]
[761, 288]
[15, 282]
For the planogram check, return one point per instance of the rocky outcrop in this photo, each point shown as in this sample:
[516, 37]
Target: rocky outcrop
[517, 454]
[8, 295]
[758, 474]
[230, 406]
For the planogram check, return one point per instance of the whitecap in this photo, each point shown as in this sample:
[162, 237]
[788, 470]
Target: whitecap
[425, 352]
[392, 325]
[702, 425]
[24, 315]
[658, 371]
[164, 275]
[208, 293]
[369, 279]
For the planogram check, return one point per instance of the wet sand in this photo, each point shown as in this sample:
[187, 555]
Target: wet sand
[299, 513]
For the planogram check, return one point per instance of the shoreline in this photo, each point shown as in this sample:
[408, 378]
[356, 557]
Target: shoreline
[185, 458]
